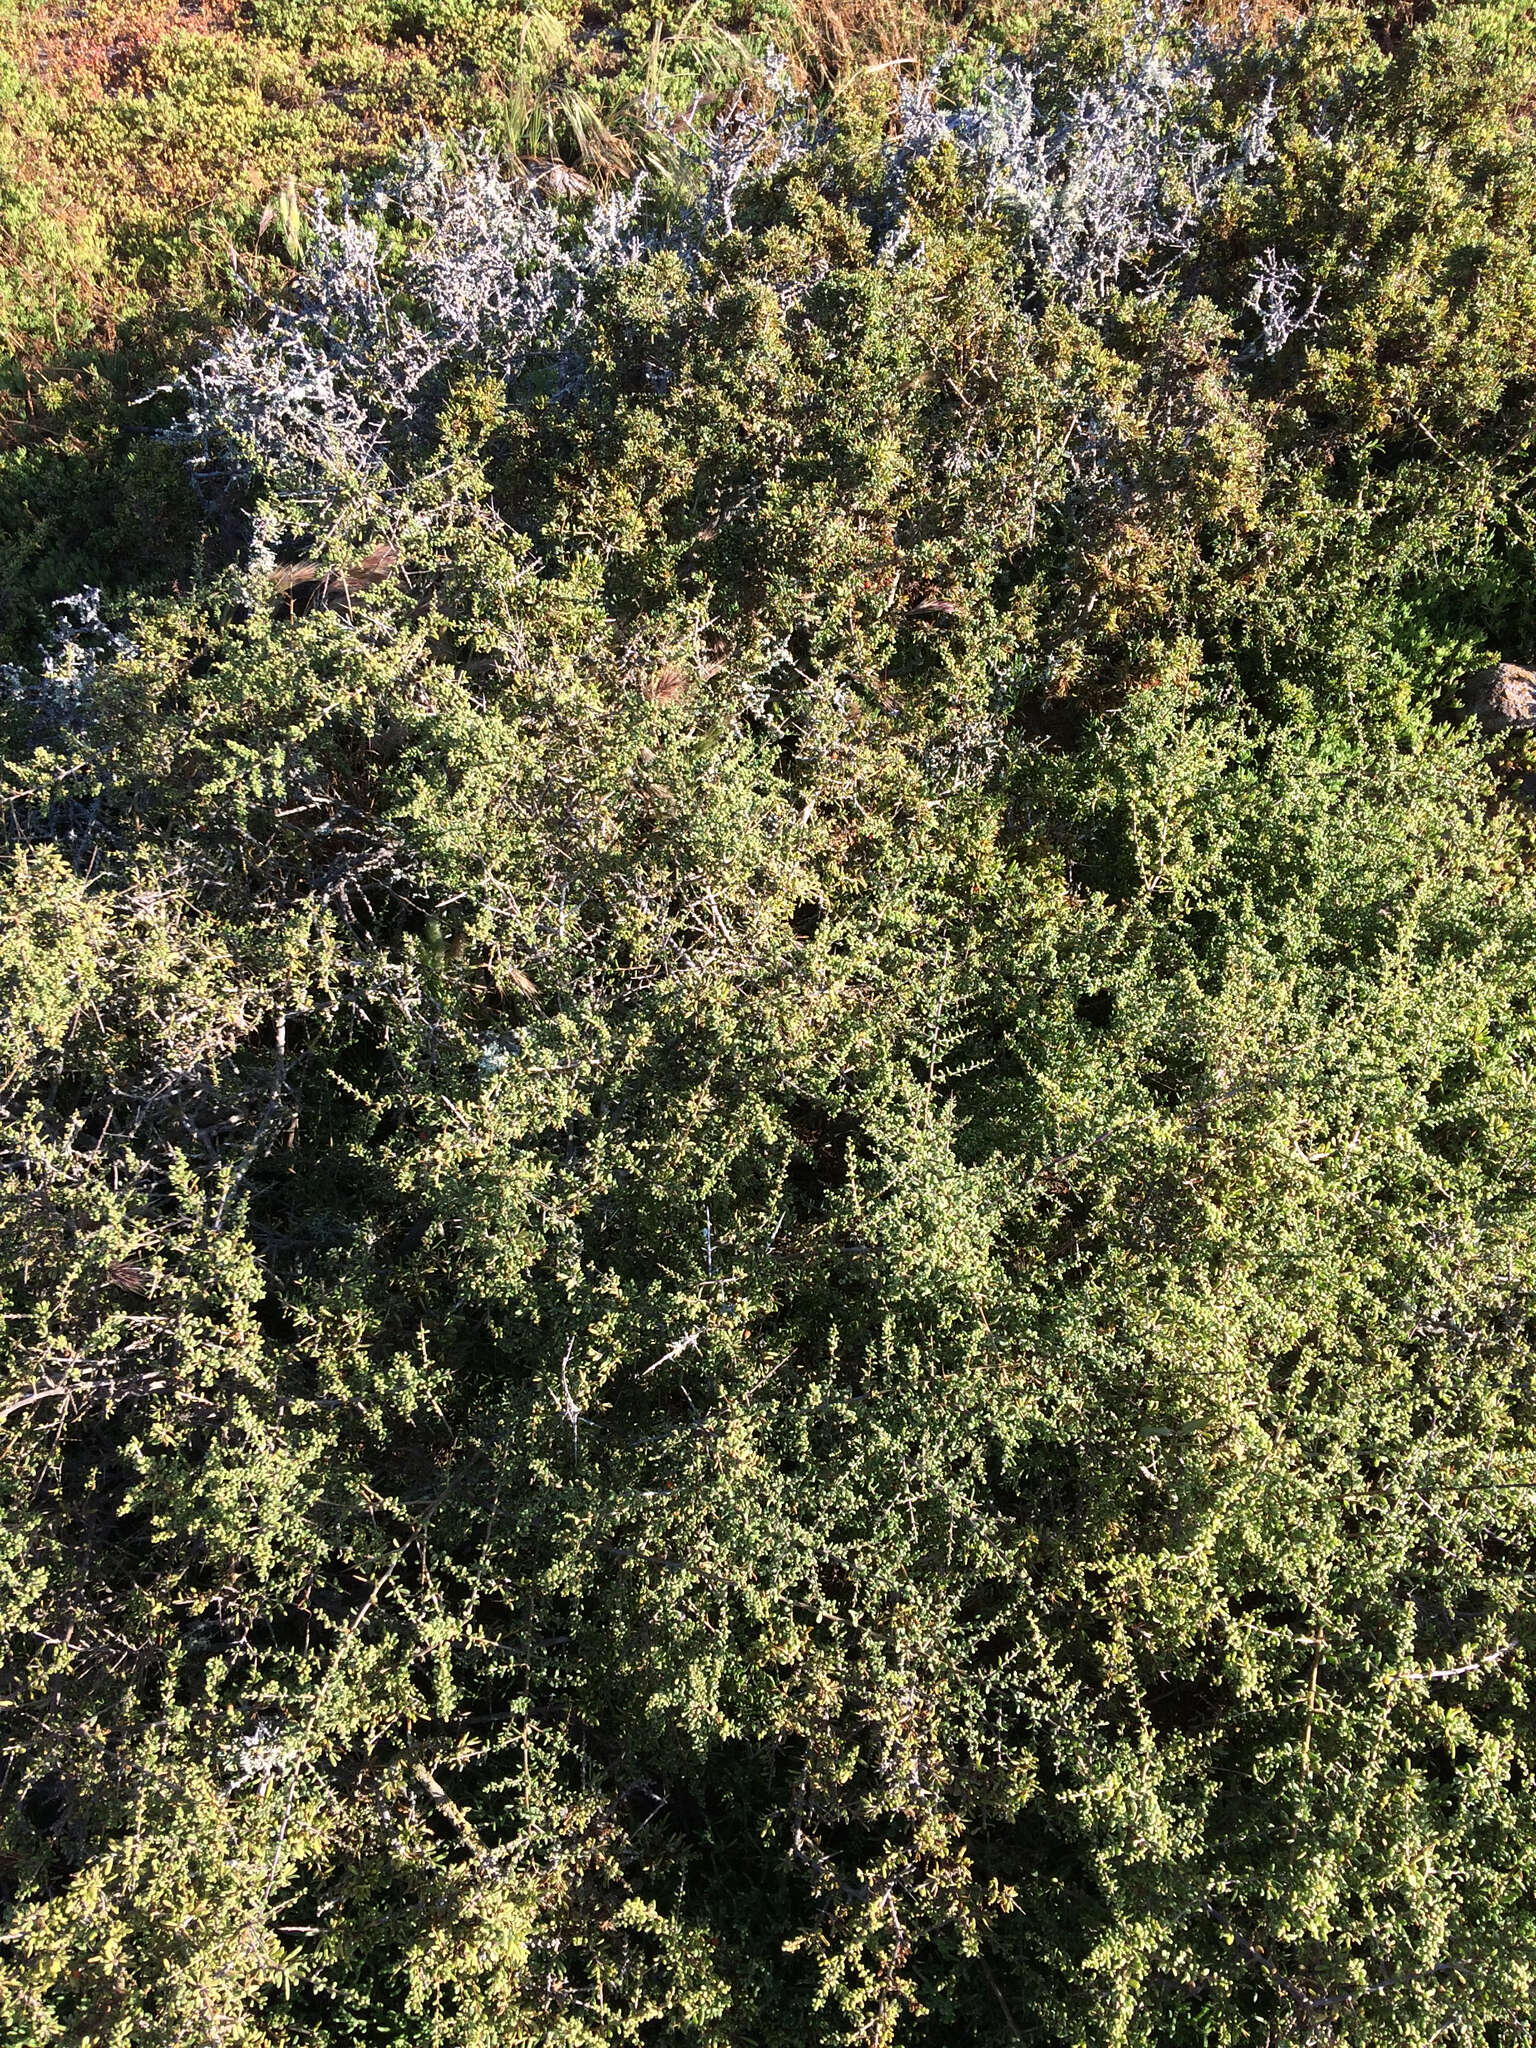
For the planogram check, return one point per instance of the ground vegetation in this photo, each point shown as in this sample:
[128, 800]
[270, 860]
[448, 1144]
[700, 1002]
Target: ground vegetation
[769, 1207]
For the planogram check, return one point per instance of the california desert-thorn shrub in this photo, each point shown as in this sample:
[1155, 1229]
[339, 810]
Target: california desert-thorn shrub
[768, 1221]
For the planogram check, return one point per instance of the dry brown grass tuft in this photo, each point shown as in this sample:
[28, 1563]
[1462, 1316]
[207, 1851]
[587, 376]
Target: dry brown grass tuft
[841, 37]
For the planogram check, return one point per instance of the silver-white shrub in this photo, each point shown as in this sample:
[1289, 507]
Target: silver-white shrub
[59, 690]
[1122, 174]
[763, 127]
[314, 396]
[313, 399]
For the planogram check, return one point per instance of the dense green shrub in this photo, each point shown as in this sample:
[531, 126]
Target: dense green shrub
[769, 1208]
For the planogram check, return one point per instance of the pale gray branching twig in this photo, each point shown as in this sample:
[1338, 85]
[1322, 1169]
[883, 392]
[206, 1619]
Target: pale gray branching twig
[1276, 297]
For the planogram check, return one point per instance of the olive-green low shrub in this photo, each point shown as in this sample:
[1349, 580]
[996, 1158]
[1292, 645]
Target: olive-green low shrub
[769, 1198]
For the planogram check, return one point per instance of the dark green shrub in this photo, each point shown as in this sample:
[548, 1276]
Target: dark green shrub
[770, 1197]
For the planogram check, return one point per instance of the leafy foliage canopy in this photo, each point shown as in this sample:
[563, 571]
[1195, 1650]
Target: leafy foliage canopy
[769, 1207]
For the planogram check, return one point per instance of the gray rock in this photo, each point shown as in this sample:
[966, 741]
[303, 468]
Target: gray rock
[1504, 698]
